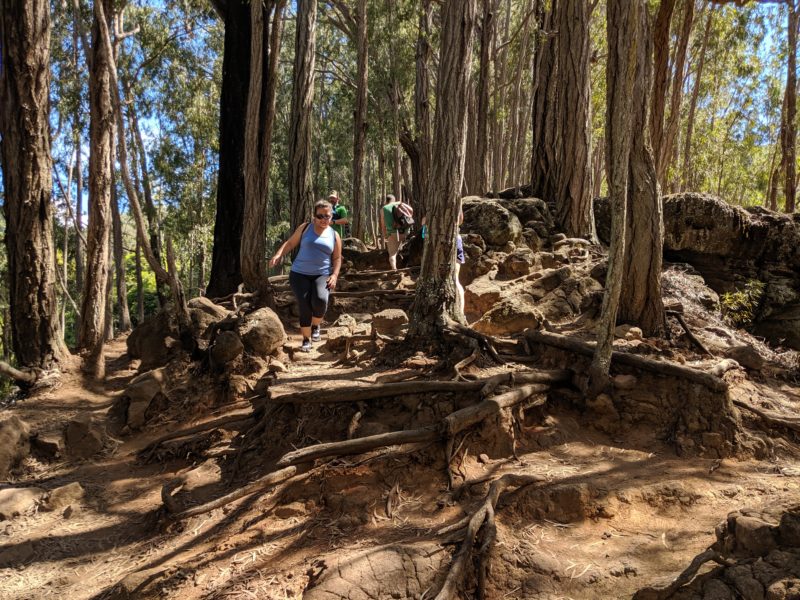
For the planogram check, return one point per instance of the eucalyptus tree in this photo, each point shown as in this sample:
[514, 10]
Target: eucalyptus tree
[27, 179]
[435, 299]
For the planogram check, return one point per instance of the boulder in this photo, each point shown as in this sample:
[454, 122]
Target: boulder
[227, 346]
[204, 313]
[151, 341]
[746, 355]
[46, 446]
[131, 407]
[389, 321]
[356, 244]
[517, 264]
[529, 209]
[512, 315]
[14, 443]
[18, 501]
[84, 437]
[481, 295]
[262, 332]
[495, 224]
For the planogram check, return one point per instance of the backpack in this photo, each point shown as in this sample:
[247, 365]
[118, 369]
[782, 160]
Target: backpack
[403, 216]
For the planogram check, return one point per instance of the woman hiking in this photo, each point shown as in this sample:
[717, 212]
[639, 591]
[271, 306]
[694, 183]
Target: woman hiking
[315, 269]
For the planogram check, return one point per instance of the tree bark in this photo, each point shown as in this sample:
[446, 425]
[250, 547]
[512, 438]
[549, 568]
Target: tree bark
[119, 266]
[485, 77]
[574, 119]
[789, 116]
[139, 285]
[435, 298]
[360, 120]
[27, 180]
[78, 130]
[264, 49]
[301, 190]
[101, 133]
[226, 272]
[544, 161]
[623, 30]
[661, 79]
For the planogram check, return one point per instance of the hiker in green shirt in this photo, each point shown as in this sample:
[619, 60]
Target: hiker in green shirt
[339, 219]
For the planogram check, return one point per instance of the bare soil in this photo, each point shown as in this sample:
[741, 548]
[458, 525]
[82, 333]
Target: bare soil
[617, 512]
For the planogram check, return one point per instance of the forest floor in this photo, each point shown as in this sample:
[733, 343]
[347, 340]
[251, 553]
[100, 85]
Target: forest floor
[621, 513]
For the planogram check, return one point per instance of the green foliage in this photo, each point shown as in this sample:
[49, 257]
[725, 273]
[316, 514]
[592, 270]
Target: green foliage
[739, 308]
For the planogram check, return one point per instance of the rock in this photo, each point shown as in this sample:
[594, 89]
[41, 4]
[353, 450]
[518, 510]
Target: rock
[336, 338]
[517, 264]
[204, 313]
[495, 224]
[481, 295]
[262, 332]
[483, 458]
[84, 437]
[227, 346]
[63, 496]
[354, 244]
[15, 555]
[148, 341]
[742, 580]
[18, 501]
[346, 320]
[276, 366]
[714, 589]
[529, 209]
[512, 315]
[627, 332]
[784, 589]
[747, 356]
[132, 406]
[754, 536]
[789, 528]
[567, 503]
[389, 321]
[14, 443]
[624, 382]
[550, 280]
[46, 446]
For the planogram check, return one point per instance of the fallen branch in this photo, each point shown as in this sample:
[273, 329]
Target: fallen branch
[692, 338]
[17, 375]
[353, 393]
[483, 517]
[667, 369]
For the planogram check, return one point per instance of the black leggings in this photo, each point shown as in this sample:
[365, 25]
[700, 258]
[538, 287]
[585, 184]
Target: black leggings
[311, 292]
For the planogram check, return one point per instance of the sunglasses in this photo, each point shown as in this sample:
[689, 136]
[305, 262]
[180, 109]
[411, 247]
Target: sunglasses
[323, 217]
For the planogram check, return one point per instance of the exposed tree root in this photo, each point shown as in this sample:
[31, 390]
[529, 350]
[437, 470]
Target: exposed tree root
[354, 393]
[447, 428]
[487, 342]
[770, 420]
[147, 452]
[667, 369]
[482, 520]
[370, 293]
[653, 593]
[723, 367]
[692, 338]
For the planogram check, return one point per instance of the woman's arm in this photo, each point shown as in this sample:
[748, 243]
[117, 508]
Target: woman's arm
[337, 262]
[288, 245]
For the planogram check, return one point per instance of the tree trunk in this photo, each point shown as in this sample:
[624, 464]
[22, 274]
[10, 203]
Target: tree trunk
[661, 78]
[360, 121]
[301, 190]
[544, 161]
[435, 293]
[789, 116]
[139, 285]
[640, 300]
[573, 144]
[422, 107]
[624, 34]
[226, 272]
[78, 130]
[101, 133]
[688, 172]
[500, 133]
[119, 265]
[108, 327]
[265, 46]
[27, 181]
[485, 76]
[667, 152]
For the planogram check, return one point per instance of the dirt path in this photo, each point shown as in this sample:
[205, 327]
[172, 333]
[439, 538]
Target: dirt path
[615, 516]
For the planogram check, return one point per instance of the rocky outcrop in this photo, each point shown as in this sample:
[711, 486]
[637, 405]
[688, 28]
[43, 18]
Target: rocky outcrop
[262, 332]
[14, 444]
[729, 246]
[152, 341]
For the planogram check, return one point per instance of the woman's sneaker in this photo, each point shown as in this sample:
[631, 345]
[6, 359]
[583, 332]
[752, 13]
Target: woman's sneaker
[306, 347]
[315, 333]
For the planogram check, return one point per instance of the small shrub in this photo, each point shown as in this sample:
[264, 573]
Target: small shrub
[739, 308]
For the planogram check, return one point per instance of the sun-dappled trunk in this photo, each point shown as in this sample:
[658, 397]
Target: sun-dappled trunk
[789, 113]
[435, 296]
[301, 189]
[687, 170]
[101, 133]
[485, 78]
[226, 273]
[661, 78]
[119, 266]
[27, 181]
[545, 75]
[360, 120]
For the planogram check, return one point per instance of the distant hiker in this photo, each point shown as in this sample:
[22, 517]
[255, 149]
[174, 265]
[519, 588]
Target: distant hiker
[396, 219]
[315, 269]
[339, 219]
[460, 260]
